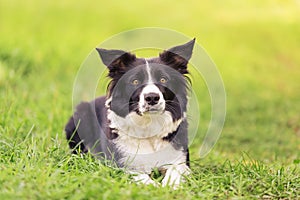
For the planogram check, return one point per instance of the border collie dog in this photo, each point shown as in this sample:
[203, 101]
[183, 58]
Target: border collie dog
[140, 124]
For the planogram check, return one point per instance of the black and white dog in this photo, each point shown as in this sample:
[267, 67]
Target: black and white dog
[141, 123]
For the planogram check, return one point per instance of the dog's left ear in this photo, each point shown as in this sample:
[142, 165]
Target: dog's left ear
[178, 57]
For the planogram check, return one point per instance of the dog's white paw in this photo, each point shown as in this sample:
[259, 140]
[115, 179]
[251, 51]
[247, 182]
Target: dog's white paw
[144, 178]
[174, 175]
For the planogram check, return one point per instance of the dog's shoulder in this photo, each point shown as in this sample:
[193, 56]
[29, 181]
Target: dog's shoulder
[89, 111]
[98, 106]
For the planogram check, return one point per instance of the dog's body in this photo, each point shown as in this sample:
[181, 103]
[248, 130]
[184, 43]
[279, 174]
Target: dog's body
[141, 123]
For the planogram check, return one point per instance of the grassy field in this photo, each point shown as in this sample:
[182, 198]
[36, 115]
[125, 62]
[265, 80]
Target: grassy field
[255, 45]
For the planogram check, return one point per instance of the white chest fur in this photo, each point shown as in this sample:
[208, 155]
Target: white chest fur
[140, 140]
[147, 161]
[142, 127]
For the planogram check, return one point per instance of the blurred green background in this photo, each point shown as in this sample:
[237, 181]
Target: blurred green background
[255, 45]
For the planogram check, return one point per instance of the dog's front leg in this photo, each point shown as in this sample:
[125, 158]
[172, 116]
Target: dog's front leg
[174, 175]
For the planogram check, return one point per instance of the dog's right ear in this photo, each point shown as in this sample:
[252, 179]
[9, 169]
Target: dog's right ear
[117, 61]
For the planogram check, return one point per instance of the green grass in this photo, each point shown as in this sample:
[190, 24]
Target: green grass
[255, 46]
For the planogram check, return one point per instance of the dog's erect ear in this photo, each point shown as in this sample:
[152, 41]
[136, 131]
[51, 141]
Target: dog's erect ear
[116, 60]
[178, 57]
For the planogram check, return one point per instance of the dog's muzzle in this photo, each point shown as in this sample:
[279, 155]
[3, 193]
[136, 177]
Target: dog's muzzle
[151, 100]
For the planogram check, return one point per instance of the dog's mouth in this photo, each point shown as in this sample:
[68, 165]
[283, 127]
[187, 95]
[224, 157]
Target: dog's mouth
[157, 109]
[153, 110]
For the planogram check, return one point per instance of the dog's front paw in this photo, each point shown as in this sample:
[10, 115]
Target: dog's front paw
[174, 175]
[144, 178]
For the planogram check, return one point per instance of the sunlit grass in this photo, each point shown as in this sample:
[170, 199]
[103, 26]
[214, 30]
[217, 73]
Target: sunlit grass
[255, 46]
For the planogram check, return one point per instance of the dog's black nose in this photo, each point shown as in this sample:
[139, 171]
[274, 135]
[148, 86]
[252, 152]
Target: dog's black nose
[151, 98]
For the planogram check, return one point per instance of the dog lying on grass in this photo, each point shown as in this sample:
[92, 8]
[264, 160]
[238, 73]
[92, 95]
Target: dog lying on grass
[141, 122]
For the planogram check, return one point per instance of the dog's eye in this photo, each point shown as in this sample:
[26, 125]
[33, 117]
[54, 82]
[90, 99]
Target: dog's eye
[135, 82]
[163, 80]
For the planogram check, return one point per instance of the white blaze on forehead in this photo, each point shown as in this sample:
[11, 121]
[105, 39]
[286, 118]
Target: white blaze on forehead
[148, 72]
[150, 87]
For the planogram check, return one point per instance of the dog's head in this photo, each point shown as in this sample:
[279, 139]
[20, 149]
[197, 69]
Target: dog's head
[148, 86]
